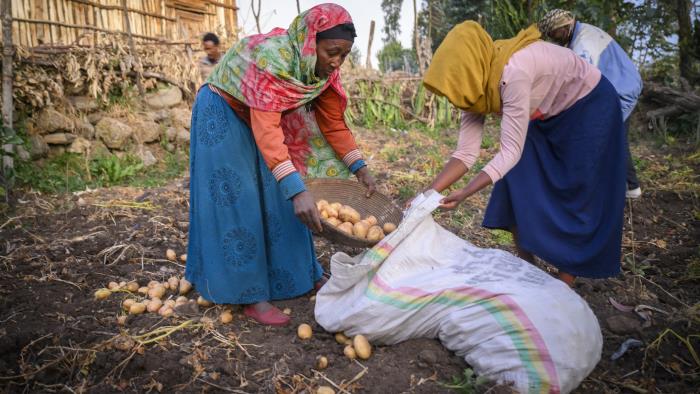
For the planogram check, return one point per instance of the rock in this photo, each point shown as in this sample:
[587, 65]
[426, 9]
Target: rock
[22, 153]
[37, 147]
[57, 150]
[157, 116]
[171, 133]
[427, 356]
[114, 133]
[146, 156]
[181, 117]
[170, 147]
[623, 325]
[182, 137]
[95, 117]
[80, 145]
[84, 103]
[165, 98]
[189, 308]
[84, 129]
[146, 131]
[59, 138]
[98, 149]
[49, 120]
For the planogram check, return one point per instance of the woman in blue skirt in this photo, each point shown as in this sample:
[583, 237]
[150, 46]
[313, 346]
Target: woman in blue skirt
[270, 113]
[559, 175]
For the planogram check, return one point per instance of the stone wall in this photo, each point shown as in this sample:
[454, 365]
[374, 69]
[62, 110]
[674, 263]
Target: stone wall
[160, 120]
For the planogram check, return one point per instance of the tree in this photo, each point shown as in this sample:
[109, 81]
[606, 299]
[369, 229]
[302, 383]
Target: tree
[685, 41]
[392, 15]
[394, 57]
[256, 15]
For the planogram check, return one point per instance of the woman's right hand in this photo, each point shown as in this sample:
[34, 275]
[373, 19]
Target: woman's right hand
[305, 209]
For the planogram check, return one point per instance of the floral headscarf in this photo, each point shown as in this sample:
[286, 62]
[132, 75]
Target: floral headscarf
[276, 72]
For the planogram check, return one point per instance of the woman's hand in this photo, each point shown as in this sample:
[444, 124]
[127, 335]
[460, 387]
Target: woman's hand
[453, 199]
[365, 178]
[305, 209]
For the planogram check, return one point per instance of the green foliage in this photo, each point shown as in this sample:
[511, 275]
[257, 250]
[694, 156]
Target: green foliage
[392, 16]
[468, 383]
[70, 172]
[394, 57]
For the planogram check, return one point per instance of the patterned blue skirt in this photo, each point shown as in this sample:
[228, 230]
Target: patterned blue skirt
[245, 243]
[566, 195]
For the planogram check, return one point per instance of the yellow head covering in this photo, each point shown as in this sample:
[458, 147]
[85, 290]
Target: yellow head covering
[468, 65]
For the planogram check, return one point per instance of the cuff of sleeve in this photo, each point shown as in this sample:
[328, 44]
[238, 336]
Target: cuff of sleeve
[283, 169]
[291, 185]
[492, 173]
[357, 165]
[351, 157]
[469, 163]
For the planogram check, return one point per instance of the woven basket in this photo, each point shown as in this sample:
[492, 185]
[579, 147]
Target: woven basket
[352, 193]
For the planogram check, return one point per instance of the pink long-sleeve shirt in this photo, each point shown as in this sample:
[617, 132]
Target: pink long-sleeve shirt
[539, 81]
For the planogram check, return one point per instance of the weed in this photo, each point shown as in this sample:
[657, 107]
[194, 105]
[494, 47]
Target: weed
[501, 237]
[468, 383]
[112, 170]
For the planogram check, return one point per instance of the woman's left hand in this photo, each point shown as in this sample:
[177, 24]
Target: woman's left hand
[364, 177]
[454, 199]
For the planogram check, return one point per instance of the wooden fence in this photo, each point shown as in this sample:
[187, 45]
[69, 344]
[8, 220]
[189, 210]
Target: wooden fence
[71, 22]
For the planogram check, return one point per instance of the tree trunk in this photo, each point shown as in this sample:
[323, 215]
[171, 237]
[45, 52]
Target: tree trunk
[298, 8]
[685, 36]
[256, 15]
[7, 131]
[416, 37]
[368, 62]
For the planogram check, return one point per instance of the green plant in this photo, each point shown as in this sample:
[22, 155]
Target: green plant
[502, 237]
[468, 383]
[112, 170]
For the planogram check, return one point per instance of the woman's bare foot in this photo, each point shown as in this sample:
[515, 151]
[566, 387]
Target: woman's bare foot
[266, 313]
[567, 278]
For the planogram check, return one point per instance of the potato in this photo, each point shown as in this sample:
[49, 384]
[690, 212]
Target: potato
[121, 320]
[360, 229]
[322, 203]
[375, 234]
[166, 311]
[348, 214]
[153, 284]
[334, 221]
[342, 339]
[183, 258]
[170, 303]
[154, 305]
[101, 294]
[132, 286]
[324, 214]
[113, 286]
[287, 311]
[173, 283]
[388, 227]
[371, 220]
[201, 301]
[332, 212]
[181, 299]
[156, 292]
[143, 290]
[185, 286]
[325, 390]
[362, 347]
[226, 317]
[336, 205]
[170, 255]
[137, 309]
[304, 331]
[349, 352]
[345, 227]
[127, 303]
[321, 362]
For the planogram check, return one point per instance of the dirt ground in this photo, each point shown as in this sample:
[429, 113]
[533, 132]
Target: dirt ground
[57, 250]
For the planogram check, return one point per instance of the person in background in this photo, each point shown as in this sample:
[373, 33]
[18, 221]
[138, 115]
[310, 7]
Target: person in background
[559, 175]
[252, 125]
[599, 49]
[210, 44]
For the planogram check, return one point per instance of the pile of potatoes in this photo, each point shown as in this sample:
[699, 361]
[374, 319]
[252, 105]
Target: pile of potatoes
[346, 219]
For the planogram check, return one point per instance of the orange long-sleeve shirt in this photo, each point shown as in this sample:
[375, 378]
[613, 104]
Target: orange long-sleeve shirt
[269, 137]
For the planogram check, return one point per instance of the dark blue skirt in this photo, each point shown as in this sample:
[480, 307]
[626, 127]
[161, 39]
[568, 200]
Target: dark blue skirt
[245, 243]
[566, 195]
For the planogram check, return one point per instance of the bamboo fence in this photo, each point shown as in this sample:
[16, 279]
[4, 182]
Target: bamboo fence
[78, 22]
